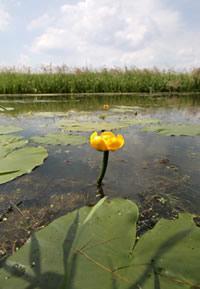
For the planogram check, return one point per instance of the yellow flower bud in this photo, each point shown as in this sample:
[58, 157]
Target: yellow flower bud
[106, 141]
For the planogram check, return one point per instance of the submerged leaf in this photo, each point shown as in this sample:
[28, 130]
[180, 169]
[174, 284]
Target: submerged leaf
[59, 139]
[72, 253]
[175, 129]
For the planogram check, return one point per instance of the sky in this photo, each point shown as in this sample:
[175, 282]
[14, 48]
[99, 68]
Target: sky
[100, 33]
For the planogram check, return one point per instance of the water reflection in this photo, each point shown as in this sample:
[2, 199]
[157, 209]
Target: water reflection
[64, 103]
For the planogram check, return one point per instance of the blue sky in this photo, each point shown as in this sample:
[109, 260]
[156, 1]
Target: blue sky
[103, 33]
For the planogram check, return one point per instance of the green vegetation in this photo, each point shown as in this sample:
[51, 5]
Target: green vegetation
[97, 248]
[45, 105]
[174, 129]
[110, 81]
[60, 139]
[17, 159]
[103, 125]
[9, 129]
[20, 162]
[9, 143]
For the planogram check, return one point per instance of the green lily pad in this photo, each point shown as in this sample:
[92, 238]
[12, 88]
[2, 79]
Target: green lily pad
[169, 255]
[143, 121]
[16, 160]
[175, 129]
[96, 248]
[8, 172]
[98, 126]
[9, 129]
[20, 162]
[8, 143]
[60, 139]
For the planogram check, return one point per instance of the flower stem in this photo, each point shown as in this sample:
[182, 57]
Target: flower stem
[104, 167]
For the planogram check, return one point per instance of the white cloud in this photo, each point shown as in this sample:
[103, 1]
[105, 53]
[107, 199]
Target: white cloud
[51, 39]
[113, 32]
[4, 19]
[41, 22]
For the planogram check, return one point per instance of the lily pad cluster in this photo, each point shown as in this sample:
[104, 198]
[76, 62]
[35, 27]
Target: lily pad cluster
[85, 126]
[97, 248]
[20, 161]
[175, 129]
[9, 129]
[9, 143]
[16, 158]
[60, 139]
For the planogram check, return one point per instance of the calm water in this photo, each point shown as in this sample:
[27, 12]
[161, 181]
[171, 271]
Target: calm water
[148, 164]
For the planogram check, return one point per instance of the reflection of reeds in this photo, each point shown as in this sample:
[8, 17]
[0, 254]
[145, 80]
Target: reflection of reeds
[51, 79]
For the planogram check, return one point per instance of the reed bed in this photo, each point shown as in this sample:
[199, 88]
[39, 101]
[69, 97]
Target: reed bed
[62, 80]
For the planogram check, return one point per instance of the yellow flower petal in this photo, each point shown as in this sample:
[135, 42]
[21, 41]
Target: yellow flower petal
[93, 135]
[98, 143]
[115, 143]
[106, 135]
[106, 141]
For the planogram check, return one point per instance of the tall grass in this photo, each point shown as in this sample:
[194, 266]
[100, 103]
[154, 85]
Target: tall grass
[90, 81]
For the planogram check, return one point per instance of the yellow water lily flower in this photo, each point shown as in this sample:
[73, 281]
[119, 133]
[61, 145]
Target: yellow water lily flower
[106, 141]
[106, 106]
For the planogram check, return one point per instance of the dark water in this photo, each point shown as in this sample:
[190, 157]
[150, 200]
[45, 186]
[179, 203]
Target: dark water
[148, 164]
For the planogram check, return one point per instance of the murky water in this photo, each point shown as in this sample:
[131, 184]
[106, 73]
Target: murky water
[149, 164]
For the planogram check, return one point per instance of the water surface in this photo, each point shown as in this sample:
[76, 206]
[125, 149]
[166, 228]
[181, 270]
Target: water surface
[149, 164]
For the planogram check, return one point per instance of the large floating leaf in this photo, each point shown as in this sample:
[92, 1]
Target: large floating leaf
[9, 129]
[143, 121]
[21, 161]
[175, 129]
[167, 256]
[107, 229]
[91, 126]
[60, 139]
[8, 143]
[95, 248]
[15, 161]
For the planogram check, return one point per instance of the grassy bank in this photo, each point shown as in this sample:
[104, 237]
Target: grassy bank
[85, 81]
